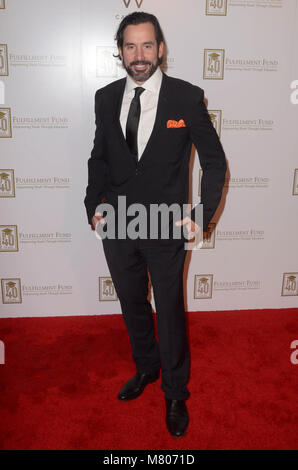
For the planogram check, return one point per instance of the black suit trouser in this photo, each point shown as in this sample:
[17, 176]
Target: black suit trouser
[128, 261]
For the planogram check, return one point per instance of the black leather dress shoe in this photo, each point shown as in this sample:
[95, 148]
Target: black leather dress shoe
[176, 417]
[135, 386]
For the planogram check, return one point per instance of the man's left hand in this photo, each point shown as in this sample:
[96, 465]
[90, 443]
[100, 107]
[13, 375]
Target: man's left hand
[191, 226]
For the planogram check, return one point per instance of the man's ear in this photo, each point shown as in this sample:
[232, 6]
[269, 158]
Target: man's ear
[161, 50]
[120, 53]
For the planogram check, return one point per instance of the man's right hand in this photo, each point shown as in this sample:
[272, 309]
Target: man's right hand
[97, 218]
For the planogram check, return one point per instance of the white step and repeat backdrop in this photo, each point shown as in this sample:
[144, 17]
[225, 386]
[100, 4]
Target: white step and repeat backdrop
[54, 55]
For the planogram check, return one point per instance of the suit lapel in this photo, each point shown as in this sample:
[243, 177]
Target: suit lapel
[117, 114]
[162, 100]
[161, 105]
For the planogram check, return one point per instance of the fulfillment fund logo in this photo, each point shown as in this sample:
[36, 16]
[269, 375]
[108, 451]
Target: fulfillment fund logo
[214, 60]
[137, 2]
[243, 64]
[7, 183]
[248, 285]
[43, 182]
[295, 183]
[203, 286]
[35, 60]
[247, 182]
[258, 124]
[216, 7]
[5, 123]
[3, 60]
[11, 291]
[106, 289]
[54, 289]
[256, 3]
[38, 122]
[36, 238]
[8, 238]
[289, 284]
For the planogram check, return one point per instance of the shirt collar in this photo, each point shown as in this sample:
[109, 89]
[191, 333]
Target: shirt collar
[152, 84]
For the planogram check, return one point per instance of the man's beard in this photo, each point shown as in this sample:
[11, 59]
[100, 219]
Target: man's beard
[140, 76]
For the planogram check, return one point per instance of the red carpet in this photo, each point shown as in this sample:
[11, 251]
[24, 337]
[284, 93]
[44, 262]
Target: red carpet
[61, 377]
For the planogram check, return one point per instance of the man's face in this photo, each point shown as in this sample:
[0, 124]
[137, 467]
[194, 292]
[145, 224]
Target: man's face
[140, 52]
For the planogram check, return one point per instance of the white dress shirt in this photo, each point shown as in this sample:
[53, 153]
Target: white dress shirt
[148, 100]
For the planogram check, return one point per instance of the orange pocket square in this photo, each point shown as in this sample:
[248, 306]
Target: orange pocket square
[176, 124]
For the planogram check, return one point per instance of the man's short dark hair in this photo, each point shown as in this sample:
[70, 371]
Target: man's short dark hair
[139, 17]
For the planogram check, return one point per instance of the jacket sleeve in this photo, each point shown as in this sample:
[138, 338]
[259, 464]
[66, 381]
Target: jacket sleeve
[211, 157]
[97, 168]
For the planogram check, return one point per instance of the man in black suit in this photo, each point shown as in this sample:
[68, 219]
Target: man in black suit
[145, 126]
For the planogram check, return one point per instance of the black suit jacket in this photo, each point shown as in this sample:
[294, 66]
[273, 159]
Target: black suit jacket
[162, 173]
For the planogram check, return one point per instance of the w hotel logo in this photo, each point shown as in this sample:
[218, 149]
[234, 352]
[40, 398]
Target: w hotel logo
[214, 64]
[138, 3]
[289, 284]
[11, 291]
[3, 60]
[8, 238]
[2, 4]
[203, 286]
[106, 289]
[7, 186]
[216, 7]
[5, 122]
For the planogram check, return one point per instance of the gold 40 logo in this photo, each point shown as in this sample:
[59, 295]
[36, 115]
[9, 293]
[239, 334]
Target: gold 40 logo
[5, 122]
[3, 60]
[216, 7]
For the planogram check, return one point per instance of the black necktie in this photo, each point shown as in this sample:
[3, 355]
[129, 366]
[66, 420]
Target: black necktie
[132, 123]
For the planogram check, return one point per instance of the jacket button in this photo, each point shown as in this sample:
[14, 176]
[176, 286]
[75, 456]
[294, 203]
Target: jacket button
[137, 171]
